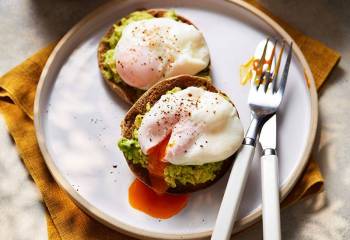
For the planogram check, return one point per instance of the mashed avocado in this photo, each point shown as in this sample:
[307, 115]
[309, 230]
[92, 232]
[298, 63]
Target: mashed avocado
[132, 151]
[131, 147]
[109, 67]
[192, 174]
[174, 90]
[171, 14]
[173, 174]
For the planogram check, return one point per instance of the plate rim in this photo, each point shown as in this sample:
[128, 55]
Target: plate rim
[130, 230]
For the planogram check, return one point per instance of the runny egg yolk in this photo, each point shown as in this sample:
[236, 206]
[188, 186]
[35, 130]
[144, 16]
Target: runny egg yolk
[161, 206]
[156, 166]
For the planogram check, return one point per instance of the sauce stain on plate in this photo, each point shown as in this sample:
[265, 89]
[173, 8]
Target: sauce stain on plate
[162, 206]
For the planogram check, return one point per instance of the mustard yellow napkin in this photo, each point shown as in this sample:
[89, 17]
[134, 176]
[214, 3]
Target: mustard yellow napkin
[65, 220]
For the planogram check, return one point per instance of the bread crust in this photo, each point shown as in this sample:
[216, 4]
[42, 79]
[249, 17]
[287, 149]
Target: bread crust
[152, 96]
[128, 93]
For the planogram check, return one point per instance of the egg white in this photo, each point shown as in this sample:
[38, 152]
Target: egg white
[204, 127]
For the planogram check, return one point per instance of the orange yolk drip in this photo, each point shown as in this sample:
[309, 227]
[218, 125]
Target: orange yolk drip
[156, 166]
[154, 201]
[163, 206]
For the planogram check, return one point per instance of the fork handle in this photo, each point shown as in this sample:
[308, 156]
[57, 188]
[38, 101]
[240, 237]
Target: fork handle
[270, 197]
[233, 194]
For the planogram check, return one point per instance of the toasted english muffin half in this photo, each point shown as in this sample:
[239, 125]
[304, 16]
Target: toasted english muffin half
[128, 93]
[141, 106]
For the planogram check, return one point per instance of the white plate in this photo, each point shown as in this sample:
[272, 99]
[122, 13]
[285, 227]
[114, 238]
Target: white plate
[77, 117]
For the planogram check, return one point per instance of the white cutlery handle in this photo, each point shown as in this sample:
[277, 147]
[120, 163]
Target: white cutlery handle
[270, 197]
[233, 194]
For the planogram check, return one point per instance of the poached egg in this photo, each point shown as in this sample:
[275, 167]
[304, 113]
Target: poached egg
[153, 49]
[201, 126]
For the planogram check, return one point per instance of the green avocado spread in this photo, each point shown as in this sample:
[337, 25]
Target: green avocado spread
[109, 70]
[173, 174]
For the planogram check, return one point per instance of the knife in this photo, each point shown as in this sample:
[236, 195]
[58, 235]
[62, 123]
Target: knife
[270, 182]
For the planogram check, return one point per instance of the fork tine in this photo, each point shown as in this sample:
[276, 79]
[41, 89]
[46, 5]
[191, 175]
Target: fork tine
[276, 70]
[267, 74]
[261, 79]
[262, 58]
[260, 66]
[272, 55]
[267, 78]
[285, 70]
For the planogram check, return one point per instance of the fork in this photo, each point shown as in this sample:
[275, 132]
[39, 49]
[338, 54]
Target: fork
[263, 103]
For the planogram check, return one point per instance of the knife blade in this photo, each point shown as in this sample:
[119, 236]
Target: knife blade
[267, 137]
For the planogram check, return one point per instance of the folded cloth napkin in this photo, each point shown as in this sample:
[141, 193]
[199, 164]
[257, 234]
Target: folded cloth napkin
[65, 220]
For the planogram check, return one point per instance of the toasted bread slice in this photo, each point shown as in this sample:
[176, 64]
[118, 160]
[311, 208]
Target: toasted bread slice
[124, 91]
[151, 97]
